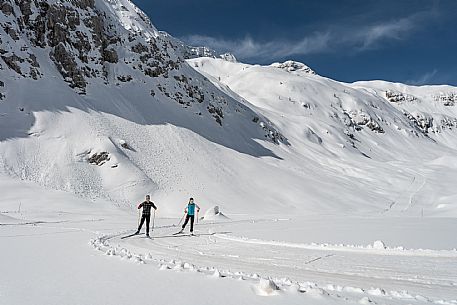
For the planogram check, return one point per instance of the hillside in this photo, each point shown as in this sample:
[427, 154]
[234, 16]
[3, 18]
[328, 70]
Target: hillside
[388, 146]
[97, 102]
[312, 191]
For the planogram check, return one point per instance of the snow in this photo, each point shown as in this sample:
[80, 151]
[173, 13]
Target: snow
[5, 219]
[214, 214]
[312, 191]
[80, 240]
[266, 287]
[293, 66]
[350, 135]
[379, 245]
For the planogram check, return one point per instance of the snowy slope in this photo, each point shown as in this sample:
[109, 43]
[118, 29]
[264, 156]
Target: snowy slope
[97, 102]
[99, 75]
[397, 155]
[56, 246]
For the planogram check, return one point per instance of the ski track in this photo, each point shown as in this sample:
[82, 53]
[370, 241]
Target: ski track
[345, 248]
[413, 189]
[419, 188]
[353, 272]
[357, 275]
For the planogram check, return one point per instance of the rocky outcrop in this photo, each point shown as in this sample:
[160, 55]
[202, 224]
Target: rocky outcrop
[6, 8]
[359, 119]
[293, 66]
[398, 97]
[422, 122]
[68, 67]
[13, 62]
[2, 95]
[93, 43]
[448, 99]
[62, 28]
[99, 158]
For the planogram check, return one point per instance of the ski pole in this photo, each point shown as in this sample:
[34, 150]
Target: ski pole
[181, 219]
[197, 216]
[153, 220]
[138, 217]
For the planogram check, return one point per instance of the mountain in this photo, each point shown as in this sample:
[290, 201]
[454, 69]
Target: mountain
[383, 144]
[96, 101]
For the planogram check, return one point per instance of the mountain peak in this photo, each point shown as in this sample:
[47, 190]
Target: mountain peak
[293, 66]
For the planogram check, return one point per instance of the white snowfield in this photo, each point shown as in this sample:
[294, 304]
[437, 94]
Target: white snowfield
[312, 191]
[63, 249]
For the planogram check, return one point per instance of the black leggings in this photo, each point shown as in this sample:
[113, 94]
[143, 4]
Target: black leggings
[146, 217]
[191, 217]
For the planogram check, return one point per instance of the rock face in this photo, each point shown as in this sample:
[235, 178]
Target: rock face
[94, 43]
[99, 158]
[80, 38]
[228, 57]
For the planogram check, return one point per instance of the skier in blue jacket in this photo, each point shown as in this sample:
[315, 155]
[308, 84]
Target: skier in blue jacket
[190, 211]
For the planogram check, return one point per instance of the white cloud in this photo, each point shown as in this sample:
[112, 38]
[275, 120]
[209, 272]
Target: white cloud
[394, 30]
[424, 79]
[358, 39]
[247, 47]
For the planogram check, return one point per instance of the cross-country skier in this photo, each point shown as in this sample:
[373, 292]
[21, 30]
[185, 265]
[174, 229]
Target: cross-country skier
[190, 211]
[146, 205]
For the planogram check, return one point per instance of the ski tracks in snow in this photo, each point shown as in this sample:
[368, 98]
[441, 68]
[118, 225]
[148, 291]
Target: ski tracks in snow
[417, 184]
[336, 271]
[398, 251]
[421, 183]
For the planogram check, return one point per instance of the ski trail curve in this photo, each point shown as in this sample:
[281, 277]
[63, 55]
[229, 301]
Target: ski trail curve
[390, 269]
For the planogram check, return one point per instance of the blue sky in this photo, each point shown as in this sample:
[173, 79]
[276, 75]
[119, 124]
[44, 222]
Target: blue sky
[407, 41]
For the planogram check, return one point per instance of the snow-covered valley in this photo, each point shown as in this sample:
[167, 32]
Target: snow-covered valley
[331, 192]
[74, 254]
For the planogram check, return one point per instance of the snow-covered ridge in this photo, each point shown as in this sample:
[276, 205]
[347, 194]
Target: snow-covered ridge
[113, 110]
[131, 17]
[377, 121]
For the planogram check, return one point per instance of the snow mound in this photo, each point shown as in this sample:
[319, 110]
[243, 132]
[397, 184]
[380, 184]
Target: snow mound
[379, 245]
[316, 292]
[214, 213]
[365, 301]
[353, 289]
[164, 267]
[216, 273]
[266, 287]
[377, 292]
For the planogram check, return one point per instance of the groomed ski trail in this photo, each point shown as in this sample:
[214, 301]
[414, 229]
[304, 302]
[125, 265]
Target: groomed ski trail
[417, 272]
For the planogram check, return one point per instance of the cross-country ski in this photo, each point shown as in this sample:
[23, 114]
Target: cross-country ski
[131, 235]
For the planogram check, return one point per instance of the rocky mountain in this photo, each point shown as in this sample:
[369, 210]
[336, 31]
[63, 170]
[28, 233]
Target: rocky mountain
[103, 58]
[94, 100]
[101, 43]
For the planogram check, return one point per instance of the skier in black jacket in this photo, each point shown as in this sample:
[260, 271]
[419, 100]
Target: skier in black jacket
[146, 205]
